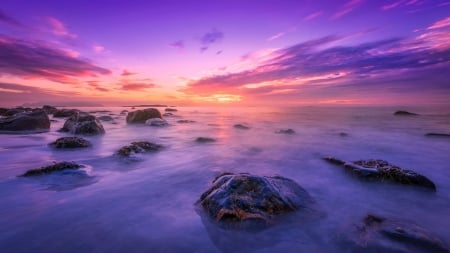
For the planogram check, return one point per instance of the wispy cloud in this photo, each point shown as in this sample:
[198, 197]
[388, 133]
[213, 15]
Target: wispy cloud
[96, 86]
[59, 28]
[32, 59]
[313, 15]
[6, 19]
[276, 36]
[136, 86]
[127, 73]
[98, 48]
[179, 44]
[210, 38]
[347, 8]
[440, 24]
[399, 3]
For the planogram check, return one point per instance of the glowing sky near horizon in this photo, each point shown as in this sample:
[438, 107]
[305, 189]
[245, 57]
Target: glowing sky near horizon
[244, 52]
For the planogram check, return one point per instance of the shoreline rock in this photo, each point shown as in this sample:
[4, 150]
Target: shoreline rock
[437, 135]
[83, 123]
[205, 139]
[70, 142]
[52, 168]
[285, 131]
[170, 110]
[63, 113]
[405, 113]
[241, 126]
[138, 147]
[33, 121]
[141, 116]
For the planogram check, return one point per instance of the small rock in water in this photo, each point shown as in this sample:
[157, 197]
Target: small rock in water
[156, 122]
[71, 142]
[52, 168]
[205, 139]
[342, 134]
[171, 110]
[64, 113]
[285, 131]
[83, 123]
[168, 114]
[437, 135]
[379, 234]
[380, 170]
[241, 126]
[123, 112]
[404, 113]
[138, 147]
[105, 118]
[237, 198]
[140, 116]
[185, 121]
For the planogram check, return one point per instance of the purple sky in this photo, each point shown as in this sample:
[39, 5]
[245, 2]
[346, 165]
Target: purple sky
[249, 52]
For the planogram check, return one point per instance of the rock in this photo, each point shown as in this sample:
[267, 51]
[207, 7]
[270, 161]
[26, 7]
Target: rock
[236, 198]
[379, 234]
[140, 116]
[138, 147]
[185, 121]
[52, 168]
[156, 122]
[83, 123]
[170, 110]
[49, 109]
[168, 114]
[380, 170]
[342, 134]
[404, 113]
[62, 113]
[3, 111]
[71, 142]
[14, 111]
[205, 139]
[437, 135]
[123, 112]
[26, 121]
[285, 131]
[105, 118]
[241, 126]
[100, 111]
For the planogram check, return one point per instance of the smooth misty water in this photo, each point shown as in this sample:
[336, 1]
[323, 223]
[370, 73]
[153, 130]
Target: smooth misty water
[148, 204]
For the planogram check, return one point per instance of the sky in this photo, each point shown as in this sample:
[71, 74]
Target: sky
[303, 52]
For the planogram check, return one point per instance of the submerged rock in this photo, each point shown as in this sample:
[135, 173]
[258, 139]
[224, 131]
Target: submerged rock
[205, 139]
[241, 126]
[381, 170]
[285, 131]
[171, 110]
[52, 168]
[105, 118]
[342, 134]
[438, 135]
[379, 234]
[185, 121]
[71, 142]
[138, 147]
[26, 121]
[140, 116]
[156, 122]
[168, 114]
[62, 113]
[49, 109]
[83, 123]
[404, 113]
[236, 198]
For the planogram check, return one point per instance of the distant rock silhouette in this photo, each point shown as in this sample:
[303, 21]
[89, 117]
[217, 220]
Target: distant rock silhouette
[285, 131]
[241, 126]
[205, 139]
[70, 142]
[26, 121]
[438, 135]
[404, 113]
[83, 123]
[171, 110]
[140, 116]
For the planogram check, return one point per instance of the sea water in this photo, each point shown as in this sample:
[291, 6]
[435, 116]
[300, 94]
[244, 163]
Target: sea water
[147, 203]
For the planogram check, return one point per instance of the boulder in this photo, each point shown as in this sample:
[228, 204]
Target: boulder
[140, 116]
[441, 135]
[404, 113]
[138, 147]
[105, 118]
[70, 142]
[52, 168]
[285, 131]
[156, 122]
[49, 109]
[205, 139]
[171, 110]
[83, 123]
[237, 198]
[26, 121]
[241, 126]
[379, 234]
[380, 170]
[3, 111]
[62, 113]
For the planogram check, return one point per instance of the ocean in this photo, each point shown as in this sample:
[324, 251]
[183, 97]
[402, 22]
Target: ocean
[148, 203]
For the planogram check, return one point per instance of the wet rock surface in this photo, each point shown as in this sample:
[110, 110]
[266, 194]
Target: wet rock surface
[138, 147]
[235, 199]
[141, 116]
[83, 123]
[52, 168]
[26, 121]
[241, 126]
[63, 113]
[378, 234]
[205, 139]
[405, 113]
[70, 142]
[380, 170]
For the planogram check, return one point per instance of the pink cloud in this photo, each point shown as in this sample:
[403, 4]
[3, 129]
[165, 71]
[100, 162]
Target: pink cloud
[127, 73]
[440, 24]
[59, 29]
[98, 48]
[137, 86]
[276, 36]
[399, 3]
[313, 15]
[348, 7]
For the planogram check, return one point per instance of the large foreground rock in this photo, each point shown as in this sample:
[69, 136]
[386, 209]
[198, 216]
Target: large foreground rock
[138, 147]
[379, 234]
[52, 168]
[70, 142]
[26, 121]
[235, 198]
[140, 116]
[83, 123]
[381, 170]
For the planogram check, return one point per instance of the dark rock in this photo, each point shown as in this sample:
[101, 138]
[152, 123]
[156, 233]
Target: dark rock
[100, 111]
[342, 134]
[3, 111]
[26, 121]
[105, 118]
[205, 139]
[285, 131]
[52, 168]
[14, 111]
[139, 147]
[437, 135]
[379, 234]
[83, 123]
[49, 109]
[185, 121]
[156, 122]
[140, 116]
[380, 170]
[170, 110]
[123, 112]
[241, 126]
[236, 198]
[71, 142]
[62, 113]
[168, 114]
[404, 113]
